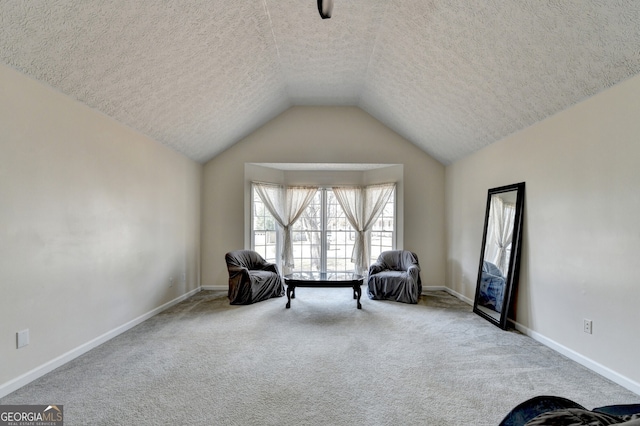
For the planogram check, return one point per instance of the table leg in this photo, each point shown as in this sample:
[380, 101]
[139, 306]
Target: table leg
[358, 290]
[290, 290]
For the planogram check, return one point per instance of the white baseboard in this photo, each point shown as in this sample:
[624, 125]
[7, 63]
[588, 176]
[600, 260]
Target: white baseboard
[569, 353]
[581, 359]
[459, 296]
[425, 289]
[18, 382]
[215, 287]
[448, 290]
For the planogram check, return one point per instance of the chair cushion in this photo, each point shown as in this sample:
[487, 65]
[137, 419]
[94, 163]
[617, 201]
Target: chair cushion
[393, 285]
[391, 274]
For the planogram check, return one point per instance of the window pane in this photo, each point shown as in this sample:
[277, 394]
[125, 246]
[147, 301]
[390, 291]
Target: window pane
[307, 237]
[340, 237]
[308, 234]
[382, 230]
[263, 236]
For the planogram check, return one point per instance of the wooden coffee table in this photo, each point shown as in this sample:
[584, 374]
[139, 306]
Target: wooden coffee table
[323, 279]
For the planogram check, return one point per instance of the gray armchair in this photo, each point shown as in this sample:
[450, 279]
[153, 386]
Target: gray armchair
[395, 276]
[251, 278]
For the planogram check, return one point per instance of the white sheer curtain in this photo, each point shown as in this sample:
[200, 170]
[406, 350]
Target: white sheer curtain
[286, 205]
[362, 206]
[502, 219]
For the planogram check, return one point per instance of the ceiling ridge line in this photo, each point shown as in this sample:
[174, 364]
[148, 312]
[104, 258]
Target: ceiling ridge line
[273, 34]
[275, 42]
[385, 15]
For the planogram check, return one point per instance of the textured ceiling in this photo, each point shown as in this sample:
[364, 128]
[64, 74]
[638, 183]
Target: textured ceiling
[450, 76]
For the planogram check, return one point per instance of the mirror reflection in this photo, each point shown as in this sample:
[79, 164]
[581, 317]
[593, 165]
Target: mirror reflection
[501, 234]
[497, 251]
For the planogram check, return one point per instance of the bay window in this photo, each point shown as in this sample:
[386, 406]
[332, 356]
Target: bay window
[323, 237]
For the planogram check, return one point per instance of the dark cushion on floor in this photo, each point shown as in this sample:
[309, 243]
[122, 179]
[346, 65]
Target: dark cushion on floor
[533, 407]
[621, 410]
[558, 411]
[573, 417]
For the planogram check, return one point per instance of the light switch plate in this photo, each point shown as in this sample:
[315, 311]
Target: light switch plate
[22, 338]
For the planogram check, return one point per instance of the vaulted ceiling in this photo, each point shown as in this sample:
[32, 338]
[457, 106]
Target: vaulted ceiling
[451, 76]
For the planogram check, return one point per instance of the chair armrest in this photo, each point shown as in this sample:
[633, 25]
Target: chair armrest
[376, 268]
[271, 267]
[234, 271]
[414, 272]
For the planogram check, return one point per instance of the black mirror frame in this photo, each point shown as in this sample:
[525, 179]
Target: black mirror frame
[513, 275]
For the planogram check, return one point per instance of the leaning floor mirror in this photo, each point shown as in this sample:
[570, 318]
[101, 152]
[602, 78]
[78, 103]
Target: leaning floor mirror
[500, 254]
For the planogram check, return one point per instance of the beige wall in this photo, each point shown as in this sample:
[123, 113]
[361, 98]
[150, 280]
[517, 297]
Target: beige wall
[581, 228]
[95, 219]
[323, 135]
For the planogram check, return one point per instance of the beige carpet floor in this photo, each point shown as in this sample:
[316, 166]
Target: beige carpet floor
[322, 362]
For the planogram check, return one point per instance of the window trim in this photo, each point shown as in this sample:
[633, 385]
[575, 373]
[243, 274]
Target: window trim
[323, 192]
[325, 174]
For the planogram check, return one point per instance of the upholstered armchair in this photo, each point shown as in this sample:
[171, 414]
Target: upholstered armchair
[251, 278]
[395, 276]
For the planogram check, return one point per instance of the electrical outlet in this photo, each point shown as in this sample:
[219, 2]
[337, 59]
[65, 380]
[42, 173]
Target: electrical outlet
[588, 326]
[170, 281]
[22, 338]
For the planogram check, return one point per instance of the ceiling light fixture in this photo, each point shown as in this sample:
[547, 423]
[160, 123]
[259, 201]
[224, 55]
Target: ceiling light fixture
[325, 7]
